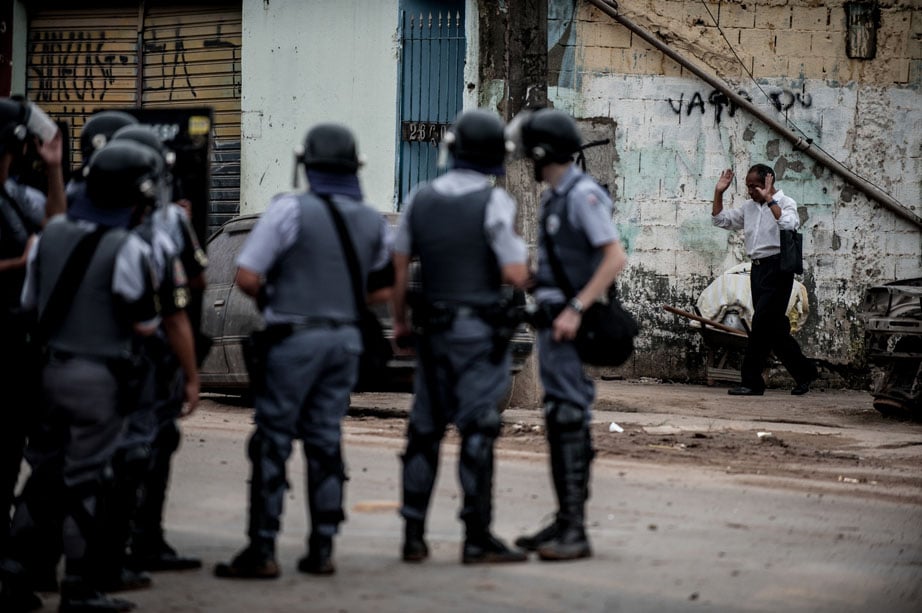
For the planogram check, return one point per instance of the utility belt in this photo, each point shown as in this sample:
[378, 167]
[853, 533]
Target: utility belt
[503, 317]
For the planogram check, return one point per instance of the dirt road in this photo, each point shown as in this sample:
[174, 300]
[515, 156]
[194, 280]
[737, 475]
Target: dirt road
[691, 510]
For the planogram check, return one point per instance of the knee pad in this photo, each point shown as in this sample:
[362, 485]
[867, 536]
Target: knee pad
[562, 417]
[422, 444]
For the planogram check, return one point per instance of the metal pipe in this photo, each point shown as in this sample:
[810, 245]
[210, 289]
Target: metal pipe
[610, 8]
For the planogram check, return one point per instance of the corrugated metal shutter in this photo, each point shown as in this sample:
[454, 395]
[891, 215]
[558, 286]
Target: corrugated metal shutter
[81, 60]
[192, 58]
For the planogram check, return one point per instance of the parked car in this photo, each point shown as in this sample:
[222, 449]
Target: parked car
[229, 316]
[893, 341]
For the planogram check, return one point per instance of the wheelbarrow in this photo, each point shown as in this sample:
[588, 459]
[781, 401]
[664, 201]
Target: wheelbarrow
[725, 345]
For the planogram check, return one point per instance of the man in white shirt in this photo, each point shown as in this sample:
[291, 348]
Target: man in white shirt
[762, 217]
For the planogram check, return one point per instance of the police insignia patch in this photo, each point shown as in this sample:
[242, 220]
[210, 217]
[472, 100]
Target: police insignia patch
[181, 297]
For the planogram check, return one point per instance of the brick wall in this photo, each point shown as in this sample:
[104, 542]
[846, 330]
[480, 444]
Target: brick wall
[675, 134]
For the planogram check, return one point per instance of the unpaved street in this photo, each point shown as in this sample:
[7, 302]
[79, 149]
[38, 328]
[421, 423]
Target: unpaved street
[691, 510]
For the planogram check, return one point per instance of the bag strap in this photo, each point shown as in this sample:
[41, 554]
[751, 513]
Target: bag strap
[62, 294]
[349, 252]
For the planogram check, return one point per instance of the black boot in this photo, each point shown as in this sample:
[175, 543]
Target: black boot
[17, 595]
[126, 580]
[319, 558]
[256, 561]
[484, 548]
[531, 542]
[152, 553]
[571, 475]
[415, 548]
[77, 596]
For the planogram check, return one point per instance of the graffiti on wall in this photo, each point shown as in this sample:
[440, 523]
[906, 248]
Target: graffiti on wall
[782, 99]
[72, 66]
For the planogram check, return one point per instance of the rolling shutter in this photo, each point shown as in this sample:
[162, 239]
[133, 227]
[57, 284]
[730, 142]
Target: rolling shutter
[82, 60]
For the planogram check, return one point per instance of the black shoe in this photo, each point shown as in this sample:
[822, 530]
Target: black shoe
[744, 391]
[17, 600]
[802, 388]
[571, 544]
[545, 535]
[128, 580]
[160, 556]
[319, 558]
[77, 597]
[489, 550]
[414, 546]
[251, 563]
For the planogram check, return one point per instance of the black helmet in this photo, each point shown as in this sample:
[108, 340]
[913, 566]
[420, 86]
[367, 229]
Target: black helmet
[12, 122]
[549, 135]
[146, 136]
[477, 136]
[122, 174]
[330, 148]
[98, 130]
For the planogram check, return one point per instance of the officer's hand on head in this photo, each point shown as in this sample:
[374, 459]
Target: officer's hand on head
[51, 151]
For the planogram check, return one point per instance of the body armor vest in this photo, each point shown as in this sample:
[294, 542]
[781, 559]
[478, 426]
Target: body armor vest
[311, 280]
[456, 261]
[577, 256]
[15, 229]
[94, 325]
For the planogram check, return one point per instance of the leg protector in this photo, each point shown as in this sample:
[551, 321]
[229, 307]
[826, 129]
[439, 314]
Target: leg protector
[568, 436]
[326, 474]
[267, 488]
[475, 470]
[420, 466]
[37, 526]
[148, 524]
[129, 467]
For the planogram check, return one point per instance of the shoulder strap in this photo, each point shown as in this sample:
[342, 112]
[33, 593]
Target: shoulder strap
[62, 294]
[349, 252]
[556, 267]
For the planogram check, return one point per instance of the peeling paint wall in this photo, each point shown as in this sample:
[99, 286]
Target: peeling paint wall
[319, 61]
[675, 134]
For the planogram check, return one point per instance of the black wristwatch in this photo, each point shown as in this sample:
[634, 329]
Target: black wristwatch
[772, 202]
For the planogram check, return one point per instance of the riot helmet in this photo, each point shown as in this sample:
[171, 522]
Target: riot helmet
[331, 148]
[550, 136]
[147, 136]
[477, 138]
[99, 129]
[122, 176]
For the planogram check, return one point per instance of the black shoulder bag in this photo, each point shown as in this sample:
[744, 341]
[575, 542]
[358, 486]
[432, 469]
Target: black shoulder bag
[376, 349]
[792, 252]
[606, 332]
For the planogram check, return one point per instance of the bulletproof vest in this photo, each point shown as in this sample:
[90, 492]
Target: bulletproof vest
[311, 279]
[15, 229]
[457, 264]
[93, 325]
[578, 258]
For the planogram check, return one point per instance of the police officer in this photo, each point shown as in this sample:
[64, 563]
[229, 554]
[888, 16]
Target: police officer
[461, 228]
[576, 214]
[293, 263]
[23, 212]
[153, 435]
[95, 133]
[93, 286]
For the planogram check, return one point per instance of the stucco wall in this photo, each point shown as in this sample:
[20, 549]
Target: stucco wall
[307, 62]
[674, 135]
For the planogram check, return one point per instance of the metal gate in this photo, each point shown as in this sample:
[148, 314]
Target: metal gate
[146, 57]
[432, 44]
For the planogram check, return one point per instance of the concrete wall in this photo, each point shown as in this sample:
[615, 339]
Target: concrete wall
[675, 134]
[307, 62]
